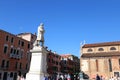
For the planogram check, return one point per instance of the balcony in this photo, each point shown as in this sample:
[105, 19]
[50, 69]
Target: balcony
[3, 68]
[11, 55]
[15, 56]
[18, 56]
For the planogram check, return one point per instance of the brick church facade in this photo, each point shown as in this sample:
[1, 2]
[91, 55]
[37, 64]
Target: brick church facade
[101, 58]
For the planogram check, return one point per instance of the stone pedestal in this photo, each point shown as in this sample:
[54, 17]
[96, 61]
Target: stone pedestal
[38, 66]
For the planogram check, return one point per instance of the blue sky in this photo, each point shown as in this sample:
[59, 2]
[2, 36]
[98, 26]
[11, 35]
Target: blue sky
[66, 22]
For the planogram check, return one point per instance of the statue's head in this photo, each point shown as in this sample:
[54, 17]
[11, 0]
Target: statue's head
[41, 24]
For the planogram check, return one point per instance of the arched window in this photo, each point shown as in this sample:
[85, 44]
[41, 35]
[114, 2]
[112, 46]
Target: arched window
[119, 61]
[7, 38]
[5, 48]
[112, 48]
[89, 50]
[100, 49]
[110, 65]
[11, 74]
[3, 63]
[97, 65]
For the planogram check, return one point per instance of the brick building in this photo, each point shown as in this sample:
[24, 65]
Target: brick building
[70, 64]
[62, 64]
[53, 62]
[29, 37]
[101, 58]
[14, 56]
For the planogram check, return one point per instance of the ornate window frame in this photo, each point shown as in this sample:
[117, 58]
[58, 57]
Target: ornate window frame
[89, 50]
[112, 48]
[100, 49]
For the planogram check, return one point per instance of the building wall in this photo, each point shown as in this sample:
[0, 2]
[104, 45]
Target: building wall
[53, 63]
[16, 57]
[95, 49]
[71, 63]
[100, 65]
[29, 37]
[25, 36]
[66, 63]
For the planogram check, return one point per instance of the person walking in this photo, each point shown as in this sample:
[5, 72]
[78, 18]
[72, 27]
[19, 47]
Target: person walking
[102, 78]
[68, 77]
[97, 77]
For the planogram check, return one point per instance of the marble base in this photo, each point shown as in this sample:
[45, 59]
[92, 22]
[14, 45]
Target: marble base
[33, 76]
[38, 66]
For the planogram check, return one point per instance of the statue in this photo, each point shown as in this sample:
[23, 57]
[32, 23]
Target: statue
[39, 53]
[40, 36]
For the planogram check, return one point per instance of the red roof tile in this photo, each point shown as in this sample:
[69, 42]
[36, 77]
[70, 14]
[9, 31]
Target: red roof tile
[101, 44]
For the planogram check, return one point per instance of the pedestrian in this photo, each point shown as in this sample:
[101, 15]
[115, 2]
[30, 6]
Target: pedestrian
[46, 78]
[49, 77]
[22, 78]
[58, 77]
[61, 76]
[101, 77]
[118, 78]
[43, 78]
[97, 77]
[68, 77]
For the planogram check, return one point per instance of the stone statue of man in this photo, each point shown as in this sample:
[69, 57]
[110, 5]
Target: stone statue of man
[40, 35]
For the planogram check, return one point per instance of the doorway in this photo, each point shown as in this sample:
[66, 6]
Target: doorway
[5, 76]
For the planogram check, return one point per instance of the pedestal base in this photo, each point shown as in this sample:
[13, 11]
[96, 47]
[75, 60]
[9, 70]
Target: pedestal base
[33, 76]
[38, 66]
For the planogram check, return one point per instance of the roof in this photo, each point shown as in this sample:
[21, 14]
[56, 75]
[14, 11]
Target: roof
[12, 34]
[66, 55]
[103, 54]
[101, 44]
[26, 33]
